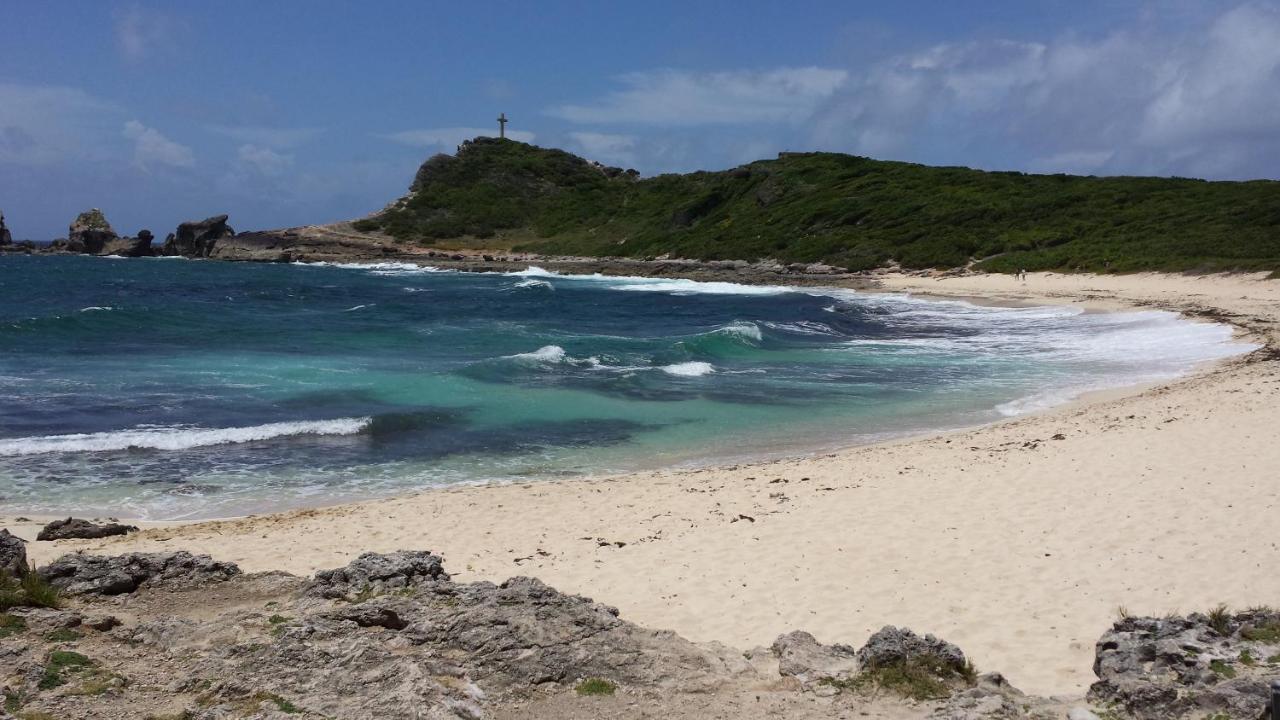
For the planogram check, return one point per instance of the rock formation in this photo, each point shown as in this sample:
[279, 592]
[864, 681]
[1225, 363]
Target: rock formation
[139, 246]
[6, 238]
[13, 554]
[197, 239]
[78, 529]
[89, 233]
[116, 575]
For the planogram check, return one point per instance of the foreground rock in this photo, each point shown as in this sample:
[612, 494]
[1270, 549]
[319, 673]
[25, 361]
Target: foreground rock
[198, 239]
[79, 529]
[119, 574]
[13, 554]
[1176, 667]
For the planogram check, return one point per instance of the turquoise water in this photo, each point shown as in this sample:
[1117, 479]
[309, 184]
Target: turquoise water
[165, 388]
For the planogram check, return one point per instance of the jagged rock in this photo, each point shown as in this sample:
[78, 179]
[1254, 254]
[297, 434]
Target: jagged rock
[79, 529]
[90, 232]
[102, 575]
[6, 238]
[891, 645]
[1189, 666]
[801, 656]
[377, 573]
[197, 239]
[13, 554]
[993, 698]
[139, 246]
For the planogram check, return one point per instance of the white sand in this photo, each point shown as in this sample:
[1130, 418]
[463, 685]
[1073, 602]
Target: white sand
[1014, 545]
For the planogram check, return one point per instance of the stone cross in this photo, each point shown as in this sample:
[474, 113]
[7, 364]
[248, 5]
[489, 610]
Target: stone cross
[502, 125]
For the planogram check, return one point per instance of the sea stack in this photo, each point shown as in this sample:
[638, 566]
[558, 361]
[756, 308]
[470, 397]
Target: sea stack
[90, 232]
[196, 239]
[6, 238]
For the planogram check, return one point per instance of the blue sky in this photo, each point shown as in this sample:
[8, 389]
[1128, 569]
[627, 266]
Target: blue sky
[289, 113]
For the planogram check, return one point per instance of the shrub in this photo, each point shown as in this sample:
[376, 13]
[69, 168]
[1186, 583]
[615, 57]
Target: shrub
[595, 686]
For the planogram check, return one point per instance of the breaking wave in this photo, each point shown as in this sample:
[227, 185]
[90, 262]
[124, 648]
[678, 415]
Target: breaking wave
[176, 438]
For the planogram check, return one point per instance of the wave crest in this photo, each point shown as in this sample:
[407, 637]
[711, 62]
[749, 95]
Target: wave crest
[176, 438]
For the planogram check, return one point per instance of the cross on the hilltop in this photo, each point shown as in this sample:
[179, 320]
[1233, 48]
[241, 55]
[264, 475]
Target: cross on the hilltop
[502, 125]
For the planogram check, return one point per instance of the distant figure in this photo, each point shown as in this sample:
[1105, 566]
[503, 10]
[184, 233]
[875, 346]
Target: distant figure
[1023, 274]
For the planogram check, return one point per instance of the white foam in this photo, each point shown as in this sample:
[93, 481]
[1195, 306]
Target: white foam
[535, 271]
[97, 308]
[176, 438]
[357, 307]
[692, 287]
[534, 283]
[545, 354]
[742, 329]
[689, 369]
[378, 268]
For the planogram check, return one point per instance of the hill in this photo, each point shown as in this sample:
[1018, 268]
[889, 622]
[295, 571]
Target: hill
[843, 210]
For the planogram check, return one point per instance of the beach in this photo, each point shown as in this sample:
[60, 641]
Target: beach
[1018, 541]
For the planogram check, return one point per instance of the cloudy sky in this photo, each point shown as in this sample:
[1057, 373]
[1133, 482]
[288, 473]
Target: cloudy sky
[289, 113]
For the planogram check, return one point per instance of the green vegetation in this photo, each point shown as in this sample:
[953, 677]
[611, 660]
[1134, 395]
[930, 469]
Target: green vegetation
[1266, 633]
[11, 625]
[63, 635]
[281, 704]
[917, 678]
[595, 686]
[61, 664]
[843, 210]
[1274, 659]
[1220, 620]
[1222, 669]
[29, 591]
[1247, 659]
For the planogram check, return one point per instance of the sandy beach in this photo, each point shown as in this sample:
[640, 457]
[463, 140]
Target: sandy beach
[1017, 541]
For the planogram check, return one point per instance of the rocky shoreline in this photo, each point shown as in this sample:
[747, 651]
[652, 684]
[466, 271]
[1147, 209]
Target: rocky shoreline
[391, 635]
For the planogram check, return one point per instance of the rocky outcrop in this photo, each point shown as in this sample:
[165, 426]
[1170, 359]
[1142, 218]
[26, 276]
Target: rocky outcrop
[6, 238]
[79, 529]
[801, 656]
[198, 239]
[380, 573]
[139, 246]
[1193, 666]
[119, 574]
[892, 645]
[89, 233]
[13, 554]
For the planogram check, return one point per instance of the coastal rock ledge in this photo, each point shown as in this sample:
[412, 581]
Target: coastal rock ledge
[392, 635]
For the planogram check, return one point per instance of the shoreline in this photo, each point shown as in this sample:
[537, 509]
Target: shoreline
[895, 532]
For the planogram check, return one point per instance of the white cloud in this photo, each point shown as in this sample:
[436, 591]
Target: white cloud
[679, 98]
[150, 148]
[48, 124]
[1139, 100]
[605, 147]
[447, 138]
[283, 138]
[263, 161]
[140, 32]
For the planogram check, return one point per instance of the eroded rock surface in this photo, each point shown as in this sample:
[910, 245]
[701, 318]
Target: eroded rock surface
[79, 529]
[114, 575]
[89, 232]
[198, 239]
[13, 554]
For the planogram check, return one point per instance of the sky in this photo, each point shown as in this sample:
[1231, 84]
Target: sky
[292, 112]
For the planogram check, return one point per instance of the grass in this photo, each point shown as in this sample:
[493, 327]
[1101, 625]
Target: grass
[63, 635]
[1220, 620]
[30, 590]
[61, 664]
[1274, 659]
[281, 704]
[1122, 613]
[1222, 669]
[11, 625]
[849, 211]
[917, 678]
[1247, 659]
[595, 686]
[1265, 633]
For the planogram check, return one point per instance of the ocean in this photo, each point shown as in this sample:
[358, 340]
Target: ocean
[161, 388]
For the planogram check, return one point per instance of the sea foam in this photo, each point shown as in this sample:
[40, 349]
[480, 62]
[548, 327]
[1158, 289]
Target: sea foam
[176, 438]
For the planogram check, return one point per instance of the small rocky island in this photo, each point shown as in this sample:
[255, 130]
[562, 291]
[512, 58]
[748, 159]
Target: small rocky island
[176, 635]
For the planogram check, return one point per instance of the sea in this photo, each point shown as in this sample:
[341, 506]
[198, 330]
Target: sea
[166, 388]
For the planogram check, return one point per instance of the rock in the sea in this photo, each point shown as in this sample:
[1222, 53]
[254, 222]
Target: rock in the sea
[376, 573]
[13, 554]
[139, 246]
[79, 529]
[113, 575]
[801, 656]
[1193, 666]
[197, 239]
[89, 233]
[6, 238]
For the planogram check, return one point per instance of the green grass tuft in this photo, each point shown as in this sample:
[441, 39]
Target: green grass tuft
[595, 686]
[11, 625]
[1266, 633]
[1222, 669]
[63, 635]
[1220, 620]
[917, 678]
[61, 663]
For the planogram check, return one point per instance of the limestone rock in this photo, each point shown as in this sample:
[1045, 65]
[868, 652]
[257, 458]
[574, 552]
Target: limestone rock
[197, 239]
[801, 656]
[377, 573]
[891, 645]
[90, 232]
[1191, 666]
[114, 575]
[139, 246]
[79, 529]
[13, 554]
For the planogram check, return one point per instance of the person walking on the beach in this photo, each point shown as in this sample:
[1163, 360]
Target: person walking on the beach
[1022, 274]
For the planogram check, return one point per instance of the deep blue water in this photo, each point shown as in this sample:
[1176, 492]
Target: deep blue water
[171, 388]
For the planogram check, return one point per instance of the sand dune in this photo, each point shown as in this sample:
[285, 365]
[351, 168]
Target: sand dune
[1017, 541]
